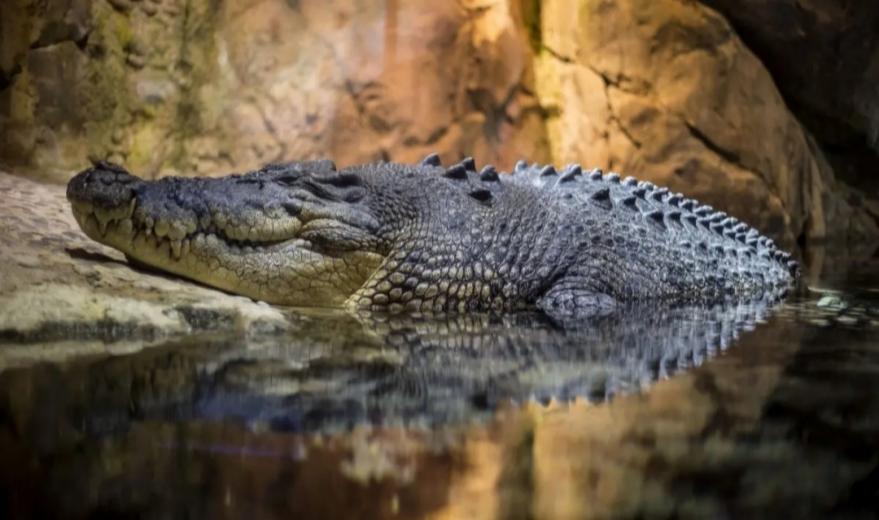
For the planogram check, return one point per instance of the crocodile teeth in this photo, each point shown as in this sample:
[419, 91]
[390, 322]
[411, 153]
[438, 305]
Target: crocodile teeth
[103, 222]
[177, 231]
[103, 217]
[161, 228]
[125, 227]
[176, 248]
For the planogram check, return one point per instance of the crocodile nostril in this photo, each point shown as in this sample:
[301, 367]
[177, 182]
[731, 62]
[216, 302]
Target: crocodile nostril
[103, 185]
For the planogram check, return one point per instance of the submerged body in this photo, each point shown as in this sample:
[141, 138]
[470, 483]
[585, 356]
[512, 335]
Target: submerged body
[429, 238]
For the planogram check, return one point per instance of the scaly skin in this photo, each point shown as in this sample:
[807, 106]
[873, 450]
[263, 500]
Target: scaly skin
[429, 238]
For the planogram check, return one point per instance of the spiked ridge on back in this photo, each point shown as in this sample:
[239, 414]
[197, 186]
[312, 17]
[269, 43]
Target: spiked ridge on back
[668, 212]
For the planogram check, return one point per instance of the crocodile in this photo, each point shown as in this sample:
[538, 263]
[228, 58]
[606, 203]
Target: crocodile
[428, 237]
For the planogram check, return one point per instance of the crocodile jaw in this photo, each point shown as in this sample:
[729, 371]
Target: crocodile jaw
[287, 272]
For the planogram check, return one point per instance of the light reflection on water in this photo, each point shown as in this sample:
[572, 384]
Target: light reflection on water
[653, 411]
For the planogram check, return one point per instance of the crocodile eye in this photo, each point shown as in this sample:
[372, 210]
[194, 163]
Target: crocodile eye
[354, 194]
[341, 180]
[287, 180]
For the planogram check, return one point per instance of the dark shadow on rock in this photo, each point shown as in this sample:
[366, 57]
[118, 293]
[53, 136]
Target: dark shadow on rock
[79, 253]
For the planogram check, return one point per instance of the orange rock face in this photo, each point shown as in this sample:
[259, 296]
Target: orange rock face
[657, 89]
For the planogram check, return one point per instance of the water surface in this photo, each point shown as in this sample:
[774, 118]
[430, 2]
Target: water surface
[737, 409]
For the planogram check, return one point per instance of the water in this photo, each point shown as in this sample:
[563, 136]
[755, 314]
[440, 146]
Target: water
[736, 410]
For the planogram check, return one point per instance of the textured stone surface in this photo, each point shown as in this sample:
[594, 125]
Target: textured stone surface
[659, 89]
[667, 89]
[199, 87]
[823, 57]
[59, 286]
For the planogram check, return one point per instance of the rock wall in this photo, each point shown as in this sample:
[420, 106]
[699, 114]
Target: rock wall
[823, 57]
[205, 87]
[662, 89]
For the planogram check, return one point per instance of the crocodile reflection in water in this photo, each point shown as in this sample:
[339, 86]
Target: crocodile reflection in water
[337, 371]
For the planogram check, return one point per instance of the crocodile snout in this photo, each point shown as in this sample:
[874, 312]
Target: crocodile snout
[104, 193]
[105, 185]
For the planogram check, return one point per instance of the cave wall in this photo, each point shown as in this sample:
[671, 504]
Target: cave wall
[824, 57]
[204, 87]
[664, 90]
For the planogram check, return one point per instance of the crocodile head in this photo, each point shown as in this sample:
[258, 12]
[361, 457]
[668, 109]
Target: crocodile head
[296, 234]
